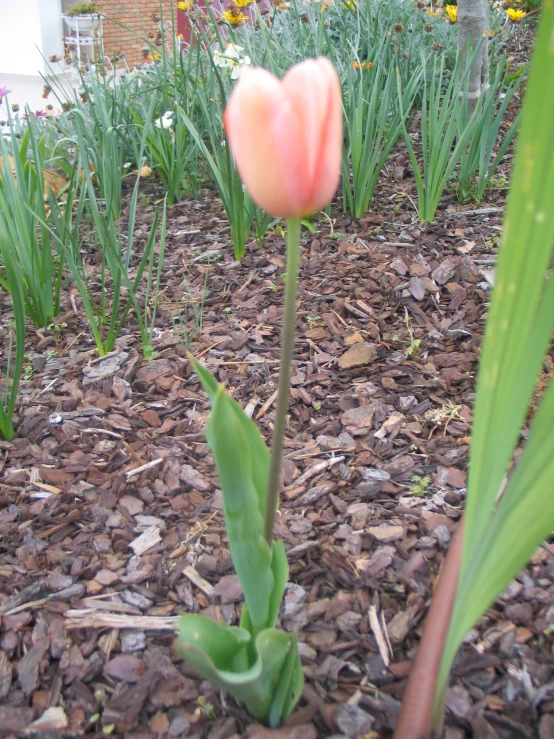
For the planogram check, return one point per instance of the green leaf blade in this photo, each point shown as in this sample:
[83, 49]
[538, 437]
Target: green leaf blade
[242, 462]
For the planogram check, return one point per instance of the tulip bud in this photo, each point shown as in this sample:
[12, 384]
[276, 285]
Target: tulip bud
[286, 136]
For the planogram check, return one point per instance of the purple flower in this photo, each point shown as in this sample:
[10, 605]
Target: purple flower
[37, 114]
[4, 91]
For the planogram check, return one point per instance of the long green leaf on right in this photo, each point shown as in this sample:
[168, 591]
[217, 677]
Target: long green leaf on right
[508, 514]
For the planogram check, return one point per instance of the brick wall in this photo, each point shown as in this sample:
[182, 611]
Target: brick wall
[136, 14]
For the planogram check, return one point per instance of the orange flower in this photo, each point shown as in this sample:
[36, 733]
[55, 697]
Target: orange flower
[363, 65]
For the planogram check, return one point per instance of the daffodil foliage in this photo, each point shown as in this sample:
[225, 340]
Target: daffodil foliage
[255, 662]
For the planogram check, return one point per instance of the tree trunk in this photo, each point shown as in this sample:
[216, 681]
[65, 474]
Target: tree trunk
[473, 25]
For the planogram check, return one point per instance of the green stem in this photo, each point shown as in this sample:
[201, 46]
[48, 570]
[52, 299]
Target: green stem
[287, 348]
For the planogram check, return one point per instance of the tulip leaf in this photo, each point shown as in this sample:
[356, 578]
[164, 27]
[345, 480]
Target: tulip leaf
[269, 688]
[224, 644]
[258, 448]
[256, 663]
[240, 455]
[289, 688]
[280, 569]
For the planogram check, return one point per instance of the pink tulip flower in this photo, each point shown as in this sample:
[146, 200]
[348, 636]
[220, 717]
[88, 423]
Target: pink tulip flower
[286, 136]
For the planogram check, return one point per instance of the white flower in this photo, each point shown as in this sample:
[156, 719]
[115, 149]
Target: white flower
[166, 121]
[237, 67]
[232, 59]
[233, 50]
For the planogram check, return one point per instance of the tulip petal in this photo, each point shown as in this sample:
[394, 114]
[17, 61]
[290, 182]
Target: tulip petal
[327, 173]
[314, 90]
[258, 122]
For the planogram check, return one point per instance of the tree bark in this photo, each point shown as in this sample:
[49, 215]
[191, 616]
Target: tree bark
[473, 25]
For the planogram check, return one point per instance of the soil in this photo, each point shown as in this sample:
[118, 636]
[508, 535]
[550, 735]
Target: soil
[110, 512]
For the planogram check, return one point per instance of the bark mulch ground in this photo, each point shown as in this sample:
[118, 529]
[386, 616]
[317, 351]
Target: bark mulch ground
[110, 512]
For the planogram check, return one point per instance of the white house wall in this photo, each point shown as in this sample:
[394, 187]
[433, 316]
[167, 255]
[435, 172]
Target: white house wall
[30, 30]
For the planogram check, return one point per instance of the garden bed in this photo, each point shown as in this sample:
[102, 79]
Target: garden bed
[110, 513]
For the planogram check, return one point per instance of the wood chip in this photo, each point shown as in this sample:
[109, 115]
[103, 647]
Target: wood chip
[379, 635]
[91, 619]
[146, 540]
[199, 581]
[143, 468]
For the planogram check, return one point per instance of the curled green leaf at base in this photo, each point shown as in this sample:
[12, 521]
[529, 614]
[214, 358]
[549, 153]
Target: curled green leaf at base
[269, 686]
[255, 662]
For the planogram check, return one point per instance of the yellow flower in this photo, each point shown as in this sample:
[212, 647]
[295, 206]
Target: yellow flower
[153, 57]
[363, 65]
[243, 3]
[452, 13]
[351, 5]
[185, 5]
[431, 12]
[491, 32]
[515, 15]
[234, 16]
[144, 171]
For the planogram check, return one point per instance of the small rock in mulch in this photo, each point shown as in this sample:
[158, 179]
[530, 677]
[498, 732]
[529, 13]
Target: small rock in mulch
[458, 701]
[125, 667]
[358, 420]
[417, 288]
[106, 368]
[432, 521]
[229, 589]
[194, 478]
[386, 533]
[358, 355]
[132, 505]
[399, 266]
[179, 727]
[353, 721]
[399, 626]
[132, 641]
[28, 667]
[14, 719]
[53, 719]
[451, 476]
[149, 373]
